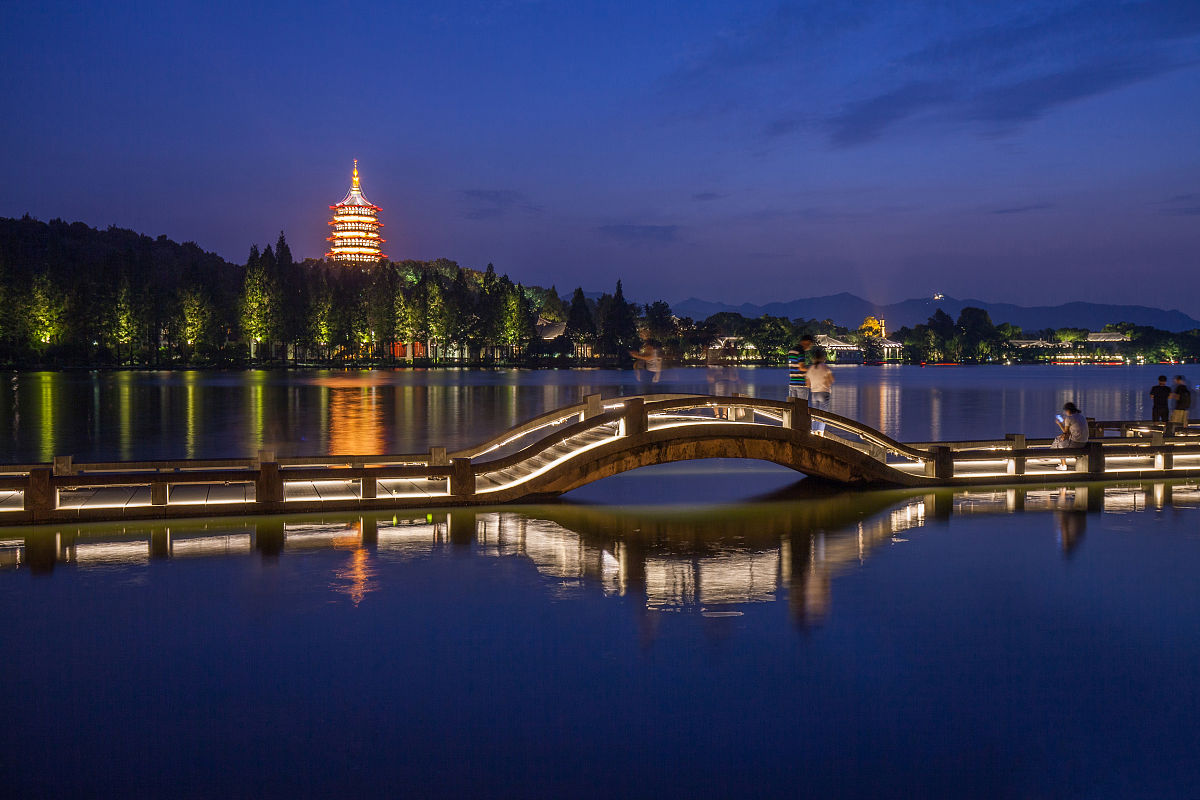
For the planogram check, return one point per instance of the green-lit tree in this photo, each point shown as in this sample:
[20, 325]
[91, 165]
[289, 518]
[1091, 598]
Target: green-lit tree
[196, 317]
[259, 301]
[771, 336]
[126, 321]
[47, 311]
[320, 319]
[517, 323]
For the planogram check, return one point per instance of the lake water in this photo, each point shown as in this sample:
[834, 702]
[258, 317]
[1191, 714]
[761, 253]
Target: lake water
[104, 416]
[655, 635]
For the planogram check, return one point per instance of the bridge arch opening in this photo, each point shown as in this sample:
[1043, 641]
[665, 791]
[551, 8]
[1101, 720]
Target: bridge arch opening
[693, 482]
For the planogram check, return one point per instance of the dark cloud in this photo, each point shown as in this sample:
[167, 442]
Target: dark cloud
[704, 197]
[781, 127]
[492, 203]
[867, 120]
[1023, 209]
[1181, 205]
[640, 234]
[780, 35]
[1056, 36]
[997, 66]
[1027, 100]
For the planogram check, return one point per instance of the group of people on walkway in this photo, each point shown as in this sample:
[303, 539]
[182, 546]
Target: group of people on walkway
[810, 378]
[1170, 403]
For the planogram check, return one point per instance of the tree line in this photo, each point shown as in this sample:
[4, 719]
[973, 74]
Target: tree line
[71, 295]
[974, 339]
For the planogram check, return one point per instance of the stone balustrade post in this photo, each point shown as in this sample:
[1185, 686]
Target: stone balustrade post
[941, 464]
[634, 421]
[268, 488]
[41, 497]
[1016, 464]
[798, 417]
[593, 406]
[462, 477]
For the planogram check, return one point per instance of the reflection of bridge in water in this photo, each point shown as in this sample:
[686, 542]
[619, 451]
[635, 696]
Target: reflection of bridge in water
[712, 561]
[570, 447]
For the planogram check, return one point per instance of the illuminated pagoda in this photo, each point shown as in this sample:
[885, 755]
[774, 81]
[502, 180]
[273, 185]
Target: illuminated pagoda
[356, 227]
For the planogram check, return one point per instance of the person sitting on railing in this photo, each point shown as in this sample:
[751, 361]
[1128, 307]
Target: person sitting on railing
[820, 384]
[1074, 431]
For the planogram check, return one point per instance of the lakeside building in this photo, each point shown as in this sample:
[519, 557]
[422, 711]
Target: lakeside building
[736, 348]
[838, 350]
[356, 227]
[1108, 341]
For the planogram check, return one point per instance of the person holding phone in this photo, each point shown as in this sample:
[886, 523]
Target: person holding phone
[1074, 429]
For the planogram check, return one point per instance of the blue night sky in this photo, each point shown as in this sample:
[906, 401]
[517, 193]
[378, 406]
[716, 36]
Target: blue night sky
[752, 151]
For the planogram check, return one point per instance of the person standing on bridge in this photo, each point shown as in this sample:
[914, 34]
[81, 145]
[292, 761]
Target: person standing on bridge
[1183, 401]
[649, 358]
[1074, 431]
[820, 386]
[799, 360]
[1159, 395]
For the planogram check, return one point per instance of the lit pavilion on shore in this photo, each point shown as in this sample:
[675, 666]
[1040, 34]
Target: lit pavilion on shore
[356, 227]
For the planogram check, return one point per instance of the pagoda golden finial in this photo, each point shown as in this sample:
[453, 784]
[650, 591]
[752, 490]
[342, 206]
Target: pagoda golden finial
[356, 186]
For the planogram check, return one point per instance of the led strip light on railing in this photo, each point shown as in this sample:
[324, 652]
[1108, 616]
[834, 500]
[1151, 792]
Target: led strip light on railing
[546, 467]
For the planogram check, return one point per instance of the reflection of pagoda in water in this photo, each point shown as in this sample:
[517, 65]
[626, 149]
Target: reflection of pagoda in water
[356, 227]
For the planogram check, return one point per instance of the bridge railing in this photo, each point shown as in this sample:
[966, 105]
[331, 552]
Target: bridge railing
[789, 413]
[530, 444]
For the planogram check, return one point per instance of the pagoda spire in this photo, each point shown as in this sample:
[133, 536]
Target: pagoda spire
[355, 236]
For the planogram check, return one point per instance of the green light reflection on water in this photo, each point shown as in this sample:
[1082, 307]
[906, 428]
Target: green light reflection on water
[255, 408]
[125, 415]
[190, 381]
[46, 417]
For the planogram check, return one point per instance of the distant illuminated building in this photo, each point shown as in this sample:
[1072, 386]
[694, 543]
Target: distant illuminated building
[356, 227]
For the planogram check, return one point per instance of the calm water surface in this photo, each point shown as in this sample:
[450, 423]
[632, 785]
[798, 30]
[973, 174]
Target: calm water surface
[655, 635]
[865, 645]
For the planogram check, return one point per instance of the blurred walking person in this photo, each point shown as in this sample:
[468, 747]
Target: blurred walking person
[799, 360]
[1183, 401]
[820, 387]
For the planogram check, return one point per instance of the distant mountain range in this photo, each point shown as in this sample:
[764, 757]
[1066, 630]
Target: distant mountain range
[849, 310]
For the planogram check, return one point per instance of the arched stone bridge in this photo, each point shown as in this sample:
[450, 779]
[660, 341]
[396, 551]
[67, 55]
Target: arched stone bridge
[569, 447]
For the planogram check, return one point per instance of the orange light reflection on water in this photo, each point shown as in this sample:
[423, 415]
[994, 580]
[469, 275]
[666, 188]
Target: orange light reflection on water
[355, 579]
[355, 424]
